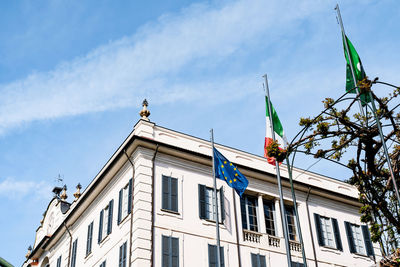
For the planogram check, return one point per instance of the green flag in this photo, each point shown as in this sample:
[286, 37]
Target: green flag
[358, 69]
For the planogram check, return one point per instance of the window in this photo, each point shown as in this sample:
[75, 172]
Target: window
[89, 239]
[73, 256]
[328, 232]
[269, 213]
[291, 221]
[359, 239]
[105, 222]
[103, 264]
[212, 256]
[125, 201]
[169, 193]
[59, 261]
[297, 264]
[248, 207]
[122, 255]
[258, 260]
[207, 203]
[170, 251]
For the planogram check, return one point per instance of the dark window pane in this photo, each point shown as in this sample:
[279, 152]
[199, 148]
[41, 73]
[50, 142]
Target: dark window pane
[269, 211]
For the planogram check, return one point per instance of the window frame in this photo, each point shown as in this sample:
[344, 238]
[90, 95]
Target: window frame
[214, 263]
[246, 225]
[122, 254]
[260, 260]
[125, 201]
[59, 259]
[335, 232]
[169, 201]
[269, 230]
[74, 252]
[292, 227]
[105, 221]
[169, 255]
[204, 193]
[89, 239]
[365, 239]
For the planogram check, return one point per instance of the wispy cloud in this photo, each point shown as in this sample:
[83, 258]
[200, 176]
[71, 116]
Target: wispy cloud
[17, 190]
[153, 63]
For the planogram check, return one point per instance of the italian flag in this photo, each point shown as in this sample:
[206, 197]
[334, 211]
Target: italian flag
[278, 131]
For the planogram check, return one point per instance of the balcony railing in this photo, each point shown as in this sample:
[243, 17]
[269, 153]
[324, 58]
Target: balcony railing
[295, 246]
[251, 236]
[273, 242]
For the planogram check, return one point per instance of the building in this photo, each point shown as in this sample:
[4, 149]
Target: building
[151, 205]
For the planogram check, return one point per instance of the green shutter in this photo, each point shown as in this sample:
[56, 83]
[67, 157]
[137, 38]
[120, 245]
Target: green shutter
[174, 194]
[130, 196]
[120, 206]
[367, 240]
[202, 201]
[165, 192]
[101, 226]
[222, 199]
[350, 237]
[320, 236]
[110, 216]
[336, 232]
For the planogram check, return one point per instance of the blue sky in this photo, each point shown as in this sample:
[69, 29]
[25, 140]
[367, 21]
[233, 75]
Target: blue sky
[73, 75]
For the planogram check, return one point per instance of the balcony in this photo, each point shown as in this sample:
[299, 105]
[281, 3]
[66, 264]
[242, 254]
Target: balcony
[252, 236]
[295, 246]
[272, 242]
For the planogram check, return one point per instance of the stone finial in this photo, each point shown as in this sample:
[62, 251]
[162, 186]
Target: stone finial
[29, 252]
[78, 193]
[144, 113]
[64, 195]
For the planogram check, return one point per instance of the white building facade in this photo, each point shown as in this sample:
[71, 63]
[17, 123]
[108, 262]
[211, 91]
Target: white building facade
[151, 206]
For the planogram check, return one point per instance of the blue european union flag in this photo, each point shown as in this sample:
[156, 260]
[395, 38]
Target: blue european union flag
[228, 172]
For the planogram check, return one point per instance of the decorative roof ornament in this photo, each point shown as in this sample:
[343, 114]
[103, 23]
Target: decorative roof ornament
[144, 113]
[29, 252]
[64, 195]
[78, 193]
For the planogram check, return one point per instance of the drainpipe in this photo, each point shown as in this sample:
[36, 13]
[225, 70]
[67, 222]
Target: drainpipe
[70, 244]
[130, 229]
[309, 225]
[152, 205]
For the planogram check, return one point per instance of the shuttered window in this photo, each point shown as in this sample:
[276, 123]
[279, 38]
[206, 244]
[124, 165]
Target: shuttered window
[170, 193]
[125, 201]
[359, 239]
[258, 260]
[249, 212]
[89, 239]
[73, 254]
[207, 203]
[170, 251]
[122, 255]
[59, 261]
[105, 221]
[212, 256]
[328, 233]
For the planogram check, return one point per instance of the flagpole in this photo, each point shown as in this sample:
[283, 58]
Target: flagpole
[282, 207]
[215, 201]
[378, 123]
[348, 55]
[303, 253]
